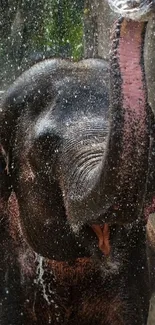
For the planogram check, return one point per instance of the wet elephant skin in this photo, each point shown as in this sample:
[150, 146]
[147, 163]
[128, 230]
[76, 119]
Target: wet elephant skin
[38, 291]
[74, 283]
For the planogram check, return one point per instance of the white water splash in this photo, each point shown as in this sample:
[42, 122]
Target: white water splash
[39, 280]
[46, 288]
[135, 10]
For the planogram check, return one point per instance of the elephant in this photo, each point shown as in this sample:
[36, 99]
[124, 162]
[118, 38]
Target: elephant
[102, 278]
[75, 155]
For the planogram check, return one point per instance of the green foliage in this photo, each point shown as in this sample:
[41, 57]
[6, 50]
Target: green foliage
[63, 28]
[33, 29]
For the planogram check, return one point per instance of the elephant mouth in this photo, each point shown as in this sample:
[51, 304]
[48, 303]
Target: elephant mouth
[103, 234]
[133, 9]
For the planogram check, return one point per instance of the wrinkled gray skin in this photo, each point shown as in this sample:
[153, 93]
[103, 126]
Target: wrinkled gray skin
[55, 131]
[53, 111]
[54, 128]
[57, 116]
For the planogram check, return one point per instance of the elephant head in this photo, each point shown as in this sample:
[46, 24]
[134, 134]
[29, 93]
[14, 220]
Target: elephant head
[78, 157]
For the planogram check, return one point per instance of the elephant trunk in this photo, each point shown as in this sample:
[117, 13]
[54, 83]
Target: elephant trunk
[118, 190]
[128, 147]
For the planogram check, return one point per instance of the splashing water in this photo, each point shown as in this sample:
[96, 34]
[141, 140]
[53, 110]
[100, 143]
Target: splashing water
[48, 293]
[40, 280]
[131, 9]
